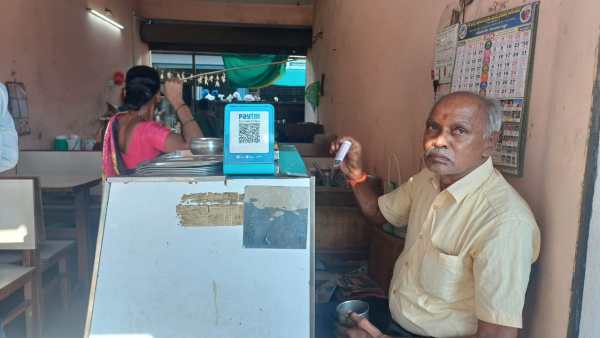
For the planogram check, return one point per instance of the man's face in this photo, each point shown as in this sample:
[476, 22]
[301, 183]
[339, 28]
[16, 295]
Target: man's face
[454, 140]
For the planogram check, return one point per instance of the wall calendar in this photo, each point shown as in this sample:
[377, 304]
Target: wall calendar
[494, 58]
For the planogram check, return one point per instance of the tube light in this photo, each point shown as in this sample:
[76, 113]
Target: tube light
[105, 18]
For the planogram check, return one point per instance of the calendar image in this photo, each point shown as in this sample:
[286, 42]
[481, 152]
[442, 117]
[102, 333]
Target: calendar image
[494, 58]
[445, 53]
[507, 153]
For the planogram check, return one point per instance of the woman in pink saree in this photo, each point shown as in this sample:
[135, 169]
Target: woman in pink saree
[132, 136]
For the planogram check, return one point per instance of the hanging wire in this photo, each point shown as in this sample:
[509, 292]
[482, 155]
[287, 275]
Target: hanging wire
[223, 71]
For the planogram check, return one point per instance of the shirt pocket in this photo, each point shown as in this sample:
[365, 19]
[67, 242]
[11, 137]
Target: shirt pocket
[444, 276]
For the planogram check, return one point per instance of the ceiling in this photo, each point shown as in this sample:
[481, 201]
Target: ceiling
[278, 2]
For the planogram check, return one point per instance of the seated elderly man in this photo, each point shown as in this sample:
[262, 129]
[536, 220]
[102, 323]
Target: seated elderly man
[471, 239]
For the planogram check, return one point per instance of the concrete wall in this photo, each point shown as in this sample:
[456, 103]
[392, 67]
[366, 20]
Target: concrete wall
[377, 57]
[65, 57]
[208, 11]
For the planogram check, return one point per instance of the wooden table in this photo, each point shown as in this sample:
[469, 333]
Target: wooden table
[13, 278]
[80, 187]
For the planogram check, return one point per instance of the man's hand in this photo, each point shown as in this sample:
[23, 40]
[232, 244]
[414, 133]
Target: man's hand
[352, 164]
[363, 329]
[173, 92]
[367, 192]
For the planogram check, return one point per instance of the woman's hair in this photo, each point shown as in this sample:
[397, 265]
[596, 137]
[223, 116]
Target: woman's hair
[141, 84]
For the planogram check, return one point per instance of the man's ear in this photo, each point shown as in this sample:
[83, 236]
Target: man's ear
[490, 144]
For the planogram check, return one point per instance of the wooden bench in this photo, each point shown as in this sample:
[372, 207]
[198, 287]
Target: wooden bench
[21, 204]
[51, 254]
[69, 180]
[12, 279]
[22, 275]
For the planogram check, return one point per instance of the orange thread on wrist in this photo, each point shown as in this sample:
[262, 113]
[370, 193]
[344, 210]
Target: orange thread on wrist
[359, 180]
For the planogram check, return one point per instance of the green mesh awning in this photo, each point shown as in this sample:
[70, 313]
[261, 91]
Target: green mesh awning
[254, 77]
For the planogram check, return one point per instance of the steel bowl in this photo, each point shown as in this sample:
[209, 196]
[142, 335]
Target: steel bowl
[206, 146]
[361, 308]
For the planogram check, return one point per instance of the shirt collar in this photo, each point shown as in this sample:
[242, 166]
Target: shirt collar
[470, 182]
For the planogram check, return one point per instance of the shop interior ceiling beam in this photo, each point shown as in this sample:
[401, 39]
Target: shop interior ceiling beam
[225, 38]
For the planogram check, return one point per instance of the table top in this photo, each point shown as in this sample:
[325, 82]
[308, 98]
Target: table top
[67, 183]
[10, 274]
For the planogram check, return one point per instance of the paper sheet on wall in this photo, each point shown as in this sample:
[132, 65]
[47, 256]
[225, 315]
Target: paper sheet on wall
[494, 57]
[445, 53]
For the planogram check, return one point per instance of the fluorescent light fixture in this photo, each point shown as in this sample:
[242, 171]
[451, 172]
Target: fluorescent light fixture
[105, 18]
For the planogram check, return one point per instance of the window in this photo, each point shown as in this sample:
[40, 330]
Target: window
[208, 95]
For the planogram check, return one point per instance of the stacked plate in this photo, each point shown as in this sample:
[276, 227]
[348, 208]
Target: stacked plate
[182, 164]
[206, 146]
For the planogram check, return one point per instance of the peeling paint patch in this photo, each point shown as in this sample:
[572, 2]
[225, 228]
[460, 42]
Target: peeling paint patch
[211, 209]
[284, 198]
[276, 217]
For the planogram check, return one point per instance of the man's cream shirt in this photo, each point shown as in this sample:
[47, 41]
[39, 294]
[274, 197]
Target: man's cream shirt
[467, 256]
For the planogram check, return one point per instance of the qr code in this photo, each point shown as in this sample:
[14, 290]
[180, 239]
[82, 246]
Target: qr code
[249, 133]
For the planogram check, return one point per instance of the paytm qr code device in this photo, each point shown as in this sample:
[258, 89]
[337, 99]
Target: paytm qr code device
[249, 139]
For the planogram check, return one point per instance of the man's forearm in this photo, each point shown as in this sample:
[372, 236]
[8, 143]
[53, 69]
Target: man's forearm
[366, 194]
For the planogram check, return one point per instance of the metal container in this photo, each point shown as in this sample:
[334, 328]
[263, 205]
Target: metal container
[361, 308]
[206, 146]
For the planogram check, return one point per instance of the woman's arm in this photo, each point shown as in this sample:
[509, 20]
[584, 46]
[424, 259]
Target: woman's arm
[189, 127]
